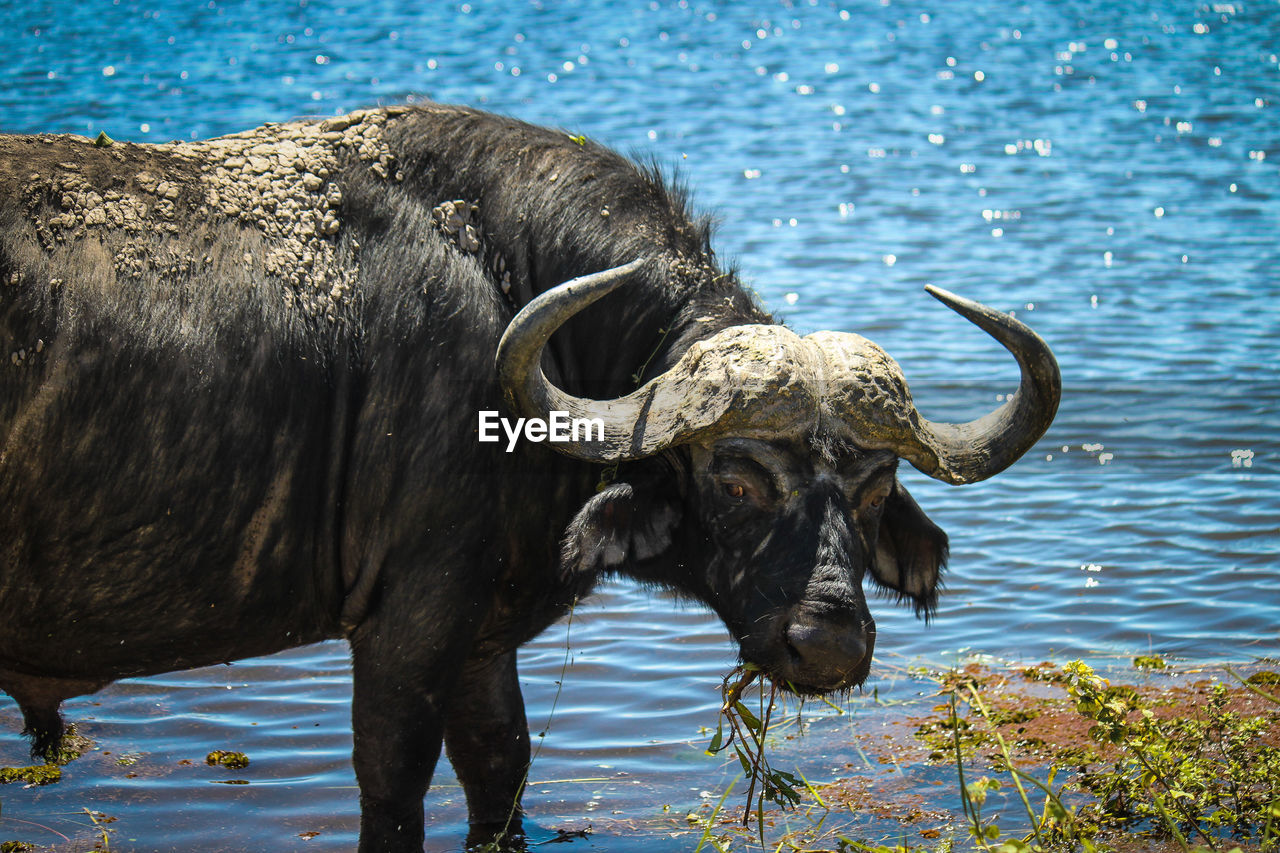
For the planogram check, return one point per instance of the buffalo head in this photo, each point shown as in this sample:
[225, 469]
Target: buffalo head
[769, 485]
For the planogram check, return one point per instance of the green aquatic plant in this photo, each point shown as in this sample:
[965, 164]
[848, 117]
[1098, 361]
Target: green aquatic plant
[16, 847]
[747, 731]
[1052, 824]
[100, 821]
[71, 746]
[40, 774]
[227, 759]
[1194, 767]
[1197, 775]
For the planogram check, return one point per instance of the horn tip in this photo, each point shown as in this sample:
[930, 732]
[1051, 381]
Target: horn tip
[946, 297]
[971, 309]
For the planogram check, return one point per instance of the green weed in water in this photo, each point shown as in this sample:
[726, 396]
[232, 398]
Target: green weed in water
[40, 774]
[1205, 776]
[1200, 776]
[225, 758]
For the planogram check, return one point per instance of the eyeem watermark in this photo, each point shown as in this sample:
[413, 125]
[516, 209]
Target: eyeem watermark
[558, 428]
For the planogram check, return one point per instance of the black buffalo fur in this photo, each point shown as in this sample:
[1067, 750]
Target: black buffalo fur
[195, 470]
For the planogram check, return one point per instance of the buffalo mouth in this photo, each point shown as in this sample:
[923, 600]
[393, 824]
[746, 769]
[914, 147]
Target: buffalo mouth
[812, 657]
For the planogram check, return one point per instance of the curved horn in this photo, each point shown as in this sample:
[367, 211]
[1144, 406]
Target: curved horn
[973, 451]
[640, 424]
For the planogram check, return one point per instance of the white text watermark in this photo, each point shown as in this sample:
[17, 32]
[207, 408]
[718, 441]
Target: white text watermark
[558, 428]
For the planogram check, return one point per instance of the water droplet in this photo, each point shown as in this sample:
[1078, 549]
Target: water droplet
[1242, 458]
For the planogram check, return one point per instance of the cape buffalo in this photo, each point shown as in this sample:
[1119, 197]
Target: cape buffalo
[240, 406]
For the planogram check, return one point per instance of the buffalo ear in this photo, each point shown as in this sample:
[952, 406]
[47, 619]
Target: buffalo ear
[911, 552]
[620, 525]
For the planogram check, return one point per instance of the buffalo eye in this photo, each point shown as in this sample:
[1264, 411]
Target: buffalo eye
[739, 481]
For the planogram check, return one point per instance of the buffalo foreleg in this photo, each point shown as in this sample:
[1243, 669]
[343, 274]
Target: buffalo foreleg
[487, 740]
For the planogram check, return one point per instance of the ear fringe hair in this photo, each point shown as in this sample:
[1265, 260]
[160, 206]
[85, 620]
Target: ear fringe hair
[925, 607]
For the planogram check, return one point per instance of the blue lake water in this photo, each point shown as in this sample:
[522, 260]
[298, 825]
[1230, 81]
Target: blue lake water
[1111, 172]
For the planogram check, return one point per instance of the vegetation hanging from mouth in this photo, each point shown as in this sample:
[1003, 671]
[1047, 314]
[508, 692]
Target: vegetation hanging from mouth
[747, 732]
